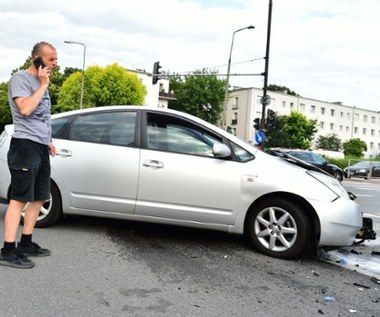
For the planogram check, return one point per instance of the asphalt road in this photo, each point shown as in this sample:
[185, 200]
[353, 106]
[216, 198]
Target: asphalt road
[118, 268]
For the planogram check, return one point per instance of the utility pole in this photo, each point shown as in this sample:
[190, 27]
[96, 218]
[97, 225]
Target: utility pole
[265, 100]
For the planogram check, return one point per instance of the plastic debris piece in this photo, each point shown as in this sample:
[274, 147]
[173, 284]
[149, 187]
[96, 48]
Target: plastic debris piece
[343, 261]
[352, 311]
[362, 285]
[353, 251]
[329, 299]
[375, 280]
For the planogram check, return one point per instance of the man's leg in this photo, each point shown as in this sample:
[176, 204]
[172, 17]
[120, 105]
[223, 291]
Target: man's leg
[10, 256]
[12, 220]
[31, 215]
[26, 245]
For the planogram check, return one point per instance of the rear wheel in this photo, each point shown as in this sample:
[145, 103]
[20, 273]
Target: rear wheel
[278, 228]
[50, 211]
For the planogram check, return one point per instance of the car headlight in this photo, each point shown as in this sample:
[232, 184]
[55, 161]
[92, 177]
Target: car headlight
[331, 183]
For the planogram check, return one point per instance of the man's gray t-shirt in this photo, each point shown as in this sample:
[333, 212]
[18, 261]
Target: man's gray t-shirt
[37, 126]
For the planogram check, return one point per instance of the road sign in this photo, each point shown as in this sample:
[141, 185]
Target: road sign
[259, 137]
[265, 100]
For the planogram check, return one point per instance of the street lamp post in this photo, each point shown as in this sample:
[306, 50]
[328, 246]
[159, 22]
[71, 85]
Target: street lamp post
[228, 75]
[84, 62]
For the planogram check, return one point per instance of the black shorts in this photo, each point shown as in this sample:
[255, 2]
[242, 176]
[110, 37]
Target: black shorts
[29, 164]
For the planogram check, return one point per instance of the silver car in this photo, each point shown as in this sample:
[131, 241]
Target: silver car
[164, 166]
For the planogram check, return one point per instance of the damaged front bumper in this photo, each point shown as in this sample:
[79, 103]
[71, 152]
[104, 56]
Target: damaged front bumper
[366, 232]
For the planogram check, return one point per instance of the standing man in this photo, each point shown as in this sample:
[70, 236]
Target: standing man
[28, 156]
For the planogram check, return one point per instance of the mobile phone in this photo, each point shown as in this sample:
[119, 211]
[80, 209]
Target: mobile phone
[39, 62]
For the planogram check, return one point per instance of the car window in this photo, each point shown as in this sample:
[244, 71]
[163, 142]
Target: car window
[116, 128]
[241, 154]
[302, 156]
[59, 125]
[169, 133]
[317, 158]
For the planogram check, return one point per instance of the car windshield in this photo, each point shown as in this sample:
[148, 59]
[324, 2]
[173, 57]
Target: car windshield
[361, 164]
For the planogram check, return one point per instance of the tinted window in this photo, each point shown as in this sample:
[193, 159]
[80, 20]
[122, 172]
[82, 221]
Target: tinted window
[117, 128]
[58, 126]
[168, 133]
[241, 154]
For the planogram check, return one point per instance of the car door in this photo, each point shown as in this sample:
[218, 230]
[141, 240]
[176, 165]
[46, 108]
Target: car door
[96, 165]
[376, 169]
[180, 179]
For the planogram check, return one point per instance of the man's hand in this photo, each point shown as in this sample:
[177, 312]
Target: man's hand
[52, 149]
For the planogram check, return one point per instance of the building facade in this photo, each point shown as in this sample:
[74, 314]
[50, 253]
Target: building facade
[244, 105]
[157, 95]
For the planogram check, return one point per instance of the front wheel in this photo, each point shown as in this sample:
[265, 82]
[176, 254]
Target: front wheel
[338, 176]
[50, 211]
[278, 228]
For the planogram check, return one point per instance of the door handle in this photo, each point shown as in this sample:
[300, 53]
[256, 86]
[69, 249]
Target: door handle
[153, 164]
[64, 153]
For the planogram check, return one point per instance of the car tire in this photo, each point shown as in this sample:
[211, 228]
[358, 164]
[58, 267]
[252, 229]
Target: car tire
[338, 176]
[51, 210]
[278, 228]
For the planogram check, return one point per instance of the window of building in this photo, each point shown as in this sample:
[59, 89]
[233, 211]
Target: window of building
[331, 126]
[284, 104]
[234, 118]
[364, 131]
[372, 132]
[356, 117]
[341, 128]
[342, 114]
[302, 107]
[322, 125]
[348, 115]
[373, 120]
[347, 129]
[312, 109]
[236, 103]
[356, 130]
[365, 118]
[371, 145]
[332, 111]
[323, 110]
[291, 105]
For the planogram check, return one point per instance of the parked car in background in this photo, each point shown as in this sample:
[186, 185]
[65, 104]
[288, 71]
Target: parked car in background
[312, 158]
[362, 169]
[168, 167]
[319, 161]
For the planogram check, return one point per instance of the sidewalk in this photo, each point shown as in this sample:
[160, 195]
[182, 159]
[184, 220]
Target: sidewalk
[362, 180]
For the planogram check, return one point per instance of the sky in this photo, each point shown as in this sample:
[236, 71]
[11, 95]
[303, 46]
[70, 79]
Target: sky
[326, 50]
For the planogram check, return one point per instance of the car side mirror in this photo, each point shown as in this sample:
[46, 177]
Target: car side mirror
[221, 150]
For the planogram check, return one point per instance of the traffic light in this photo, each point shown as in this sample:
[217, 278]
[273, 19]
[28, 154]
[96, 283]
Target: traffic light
[156, 73]
[270, 122]
[257, 124]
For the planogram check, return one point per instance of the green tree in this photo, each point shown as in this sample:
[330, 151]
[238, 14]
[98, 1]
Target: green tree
[5, 111]
[200, 94]
[292, 131]
[111, 85]
[330, 142]
[277, 88]
[354, 148]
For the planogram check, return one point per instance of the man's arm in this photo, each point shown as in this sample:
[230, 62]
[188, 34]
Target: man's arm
[27, 105]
